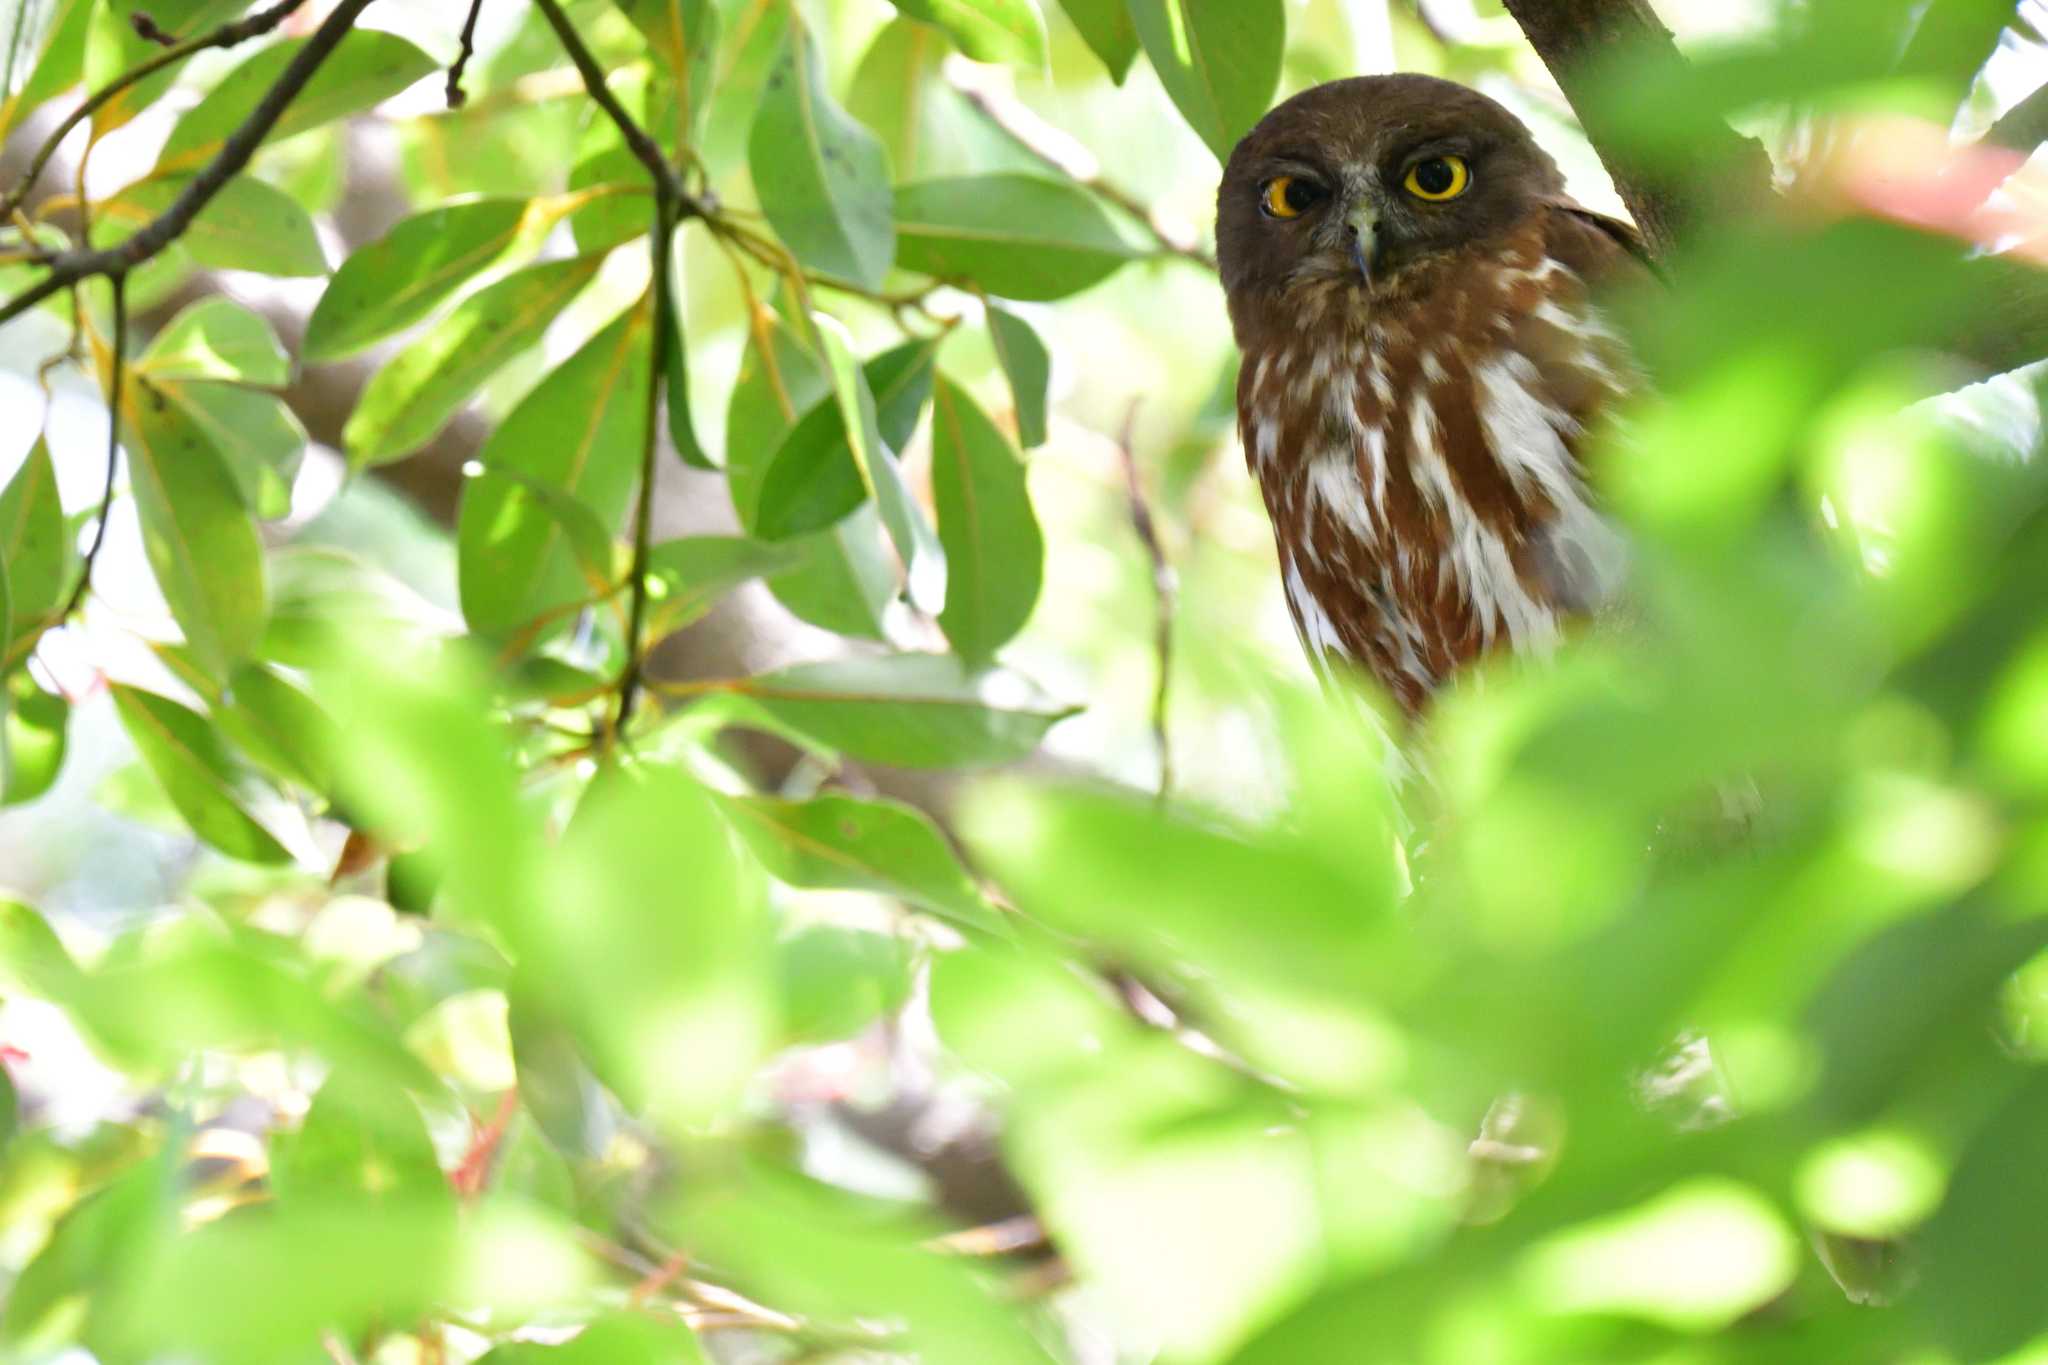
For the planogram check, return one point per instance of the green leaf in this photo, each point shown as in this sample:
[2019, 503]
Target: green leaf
[1978, 1296]
[912, 710]
[361, 1139]
[835, 982]
[203, 547]
[1027, 366]
[36, 551]
[113, 46]
[256, 434]
[278, 726]
[33, 726]
[682, 429]
[695, 571]
[1019, 236]
[519, 525]
[654, 946]
[246, 226]
[838, 841]
[367, 66]
[59, 61]
[986, 30]
[995, 556]
[901, 379]
[396, 280]
[217, 338]
[821, 473]
[822, 178]
[198, 774]
[1218, 59]
[428, 382]
[684, 37]
[620, 1340]
[579, 431]
[1105, 25]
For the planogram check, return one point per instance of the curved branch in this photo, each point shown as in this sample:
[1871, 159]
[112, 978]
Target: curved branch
[1575, 39]
[227, 35]
[72, 266]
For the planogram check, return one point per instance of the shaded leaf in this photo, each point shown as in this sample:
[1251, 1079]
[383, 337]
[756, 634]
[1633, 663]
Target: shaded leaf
[1105, 25]
[1020, 236]
[682, 428]
[695, 571]
[995, 555]
[913, 710]
[836, 841]
[36, 551]
[431, 380]
[986, 30]
[396, 280]
[198, 774]
[1218, 59]
[902, 382]
[823, 179]
[217, 338]
[822, 471]
[203, 547]
[257, 436]
[367, 66]
[1027, 366]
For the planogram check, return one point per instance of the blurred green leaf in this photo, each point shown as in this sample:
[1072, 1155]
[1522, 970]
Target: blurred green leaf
[1105, 25]
[822, 178]
[210, 790]
[396, 280]
[278, 726]
[696, 571]
[1028, 367]
[365, 67]
[579, 431]
[201, 543]
[986, 30]
[835, 982]
[35, 550]
[361, 1140]
[618, 1340]
[915, 710]
[247, 225]
[217, 339]
[57, 64]
[994, 551]
[33, 732]
[838, 841]
[1218, 59]
[427, 383]
[1019, 236]
[1977, 1296]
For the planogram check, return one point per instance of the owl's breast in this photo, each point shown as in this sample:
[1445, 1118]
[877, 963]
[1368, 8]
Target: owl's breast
[1420, 460]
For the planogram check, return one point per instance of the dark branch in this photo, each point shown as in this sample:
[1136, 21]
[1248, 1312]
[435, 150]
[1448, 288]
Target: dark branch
[116, 378]
[1164, 590]
[456, 97]
[667, 184]
[227, 35]
[1577, 40]
[643, 516]
[73, 266]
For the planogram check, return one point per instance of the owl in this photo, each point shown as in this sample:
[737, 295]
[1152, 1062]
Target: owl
[1413, 294]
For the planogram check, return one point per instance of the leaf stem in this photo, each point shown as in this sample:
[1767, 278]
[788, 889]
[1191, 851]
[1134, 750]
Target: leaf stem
[650, 447]
[116, 380]
[457, 97]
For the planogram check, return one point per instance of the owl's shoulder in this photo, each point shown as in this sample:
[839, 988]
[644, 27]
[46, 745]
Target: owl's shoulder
[1601, 250]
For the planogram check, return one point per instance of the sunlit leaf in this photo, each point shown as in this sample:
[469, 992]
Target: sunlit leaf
[247, 225]
[35, 549]
[113, 45]
[823, 179]
[986, 30]
[684, 37]
[432, 379]
[33, 728]
[278, 726]
[1218, 59]
[1105, 25]
[1020, 236]
[994, 551]
[365, 67]
[835, 982]
[202, 779]
[217, 338]
[256, 434]
[695, 571]
[396, 280]
[57, 62]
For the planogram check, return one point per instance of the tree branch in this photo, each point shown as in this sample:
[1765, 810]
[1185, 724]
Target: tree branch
[72, 266]
[227, 35]
[116, 378]
[457, 96]
[1577, 39]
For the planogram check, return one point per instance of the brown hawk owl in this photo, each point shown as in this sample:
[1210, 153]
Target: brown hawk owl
[1411, 289]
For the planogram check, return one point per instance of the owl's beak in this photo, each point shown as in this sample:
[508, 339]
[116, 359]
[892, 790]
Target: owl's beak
[1361, 223]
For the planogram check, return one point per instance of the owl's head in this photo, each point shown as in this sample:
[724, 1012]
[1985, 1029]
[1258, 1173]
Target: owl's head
[1362, 181]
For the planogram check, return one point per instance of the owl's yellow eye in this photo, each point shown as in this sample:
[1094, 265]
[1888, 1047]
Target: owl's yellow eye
[1438, 178]
[1288, 196]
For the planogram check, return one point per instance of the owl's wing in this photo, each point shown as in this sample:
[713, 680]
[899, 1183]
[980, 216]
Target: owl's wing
[1598, 248]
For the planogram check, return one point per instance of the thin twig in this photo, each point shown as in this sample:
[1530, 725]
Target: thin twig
[116, 379]
[1164, 589]
[456, 97]
[667, 183]
[73, 266]
[1013, 120]
[650, 447]
[227, 35]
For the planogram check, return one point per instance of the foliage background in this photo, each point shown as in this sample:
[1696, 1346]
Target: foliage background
[367, 995]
